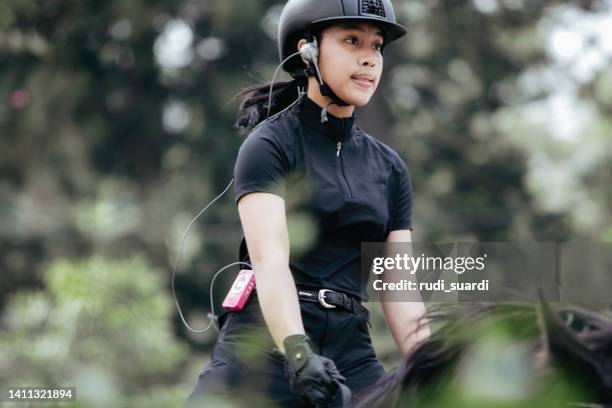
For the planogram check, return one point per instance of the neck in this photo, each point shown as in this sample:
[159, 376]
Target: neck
[314, 93]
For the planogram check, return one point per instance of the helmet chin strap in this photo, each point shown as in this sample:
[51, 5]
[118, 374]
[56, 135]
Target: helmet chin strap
[325, 91]
[323, 87]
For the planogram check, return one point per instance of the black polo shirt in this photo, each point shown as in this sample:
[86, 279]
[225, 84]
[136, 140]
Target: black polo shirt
[351, 185]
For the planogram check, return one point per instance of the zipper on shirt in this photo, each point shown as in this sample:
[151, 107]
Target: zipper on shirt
[342, 174]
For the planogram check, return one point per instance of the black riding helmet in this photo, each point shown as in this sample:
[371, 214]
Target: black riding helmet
[302, 18]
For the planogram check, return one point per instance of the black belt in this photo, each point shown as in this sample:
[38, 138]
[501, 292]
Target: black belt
[330, 299]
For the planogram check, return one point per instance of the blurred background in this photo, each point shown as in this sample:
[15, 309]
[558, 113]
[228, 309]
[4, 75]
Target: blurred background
[116, 124]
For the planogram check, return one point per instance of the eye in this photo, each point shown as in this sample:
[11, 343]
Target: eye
[379, 46]
[352, 40]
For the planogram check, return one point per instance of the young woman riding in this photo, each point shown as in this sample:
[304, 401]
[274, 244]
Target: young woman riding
[304, 328]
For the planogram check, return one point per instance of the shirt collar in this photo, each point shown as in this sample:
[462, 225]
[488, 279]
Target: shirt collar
[337, 129]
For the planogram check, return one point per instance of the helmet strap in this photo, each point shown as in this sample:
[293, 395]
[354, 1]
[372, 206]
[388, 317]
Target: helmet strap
[327, 91]
[323, 87]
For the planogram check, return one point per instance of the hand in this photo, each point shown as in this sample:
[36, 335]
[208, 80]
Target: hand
[311, 376]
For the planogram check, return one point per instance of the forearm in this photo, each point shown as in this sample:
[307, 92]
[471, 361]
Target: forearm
[405, 312]
[278, 300]
[405, 323]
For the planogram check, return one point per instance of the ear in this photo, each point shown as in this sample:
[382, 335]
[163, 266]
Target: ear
[572, 354]
[558, 337]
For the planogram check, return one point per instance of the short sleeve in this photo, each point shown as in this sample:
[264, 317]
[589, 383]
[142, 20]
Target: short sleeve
[402, 214]
[261, 164]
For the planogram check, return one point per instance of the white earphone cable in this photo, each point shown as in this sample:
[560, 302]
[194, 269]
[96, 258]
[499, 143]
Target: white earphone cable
[274, 76]
[212, 306]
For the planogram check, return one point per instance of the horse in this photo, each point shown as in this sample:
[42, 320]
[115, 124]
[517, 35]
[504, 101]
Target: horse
[522, 354]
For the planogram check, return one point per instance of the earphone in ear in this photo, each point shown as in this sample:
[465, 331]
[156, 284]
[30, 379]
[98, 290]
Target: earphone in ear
[310, 53]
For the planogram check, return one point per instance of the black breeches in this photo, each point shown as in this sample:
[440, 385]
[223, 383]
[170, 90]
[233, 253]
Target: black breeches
[244, 369]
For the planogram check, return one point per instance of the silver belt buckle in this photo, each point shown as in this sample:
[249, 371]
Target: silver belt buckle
[322, 301]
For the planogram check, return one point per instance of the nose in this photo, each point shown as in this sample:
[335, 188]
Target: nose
[370, 59]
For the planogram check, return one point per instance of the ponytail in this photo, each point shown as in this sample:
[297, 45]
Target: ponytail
[254, 106]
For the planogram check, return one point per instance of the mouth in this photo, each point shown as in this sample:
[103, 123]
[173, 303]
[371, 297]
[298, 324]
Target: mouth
[365, 81]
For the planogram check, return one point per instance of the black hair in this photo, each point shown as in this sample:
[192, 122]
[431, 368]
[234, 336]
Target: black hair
[253, 108]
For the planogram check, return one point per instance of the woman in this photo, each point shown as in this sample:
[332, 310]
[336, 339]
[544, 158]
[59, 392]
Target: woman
[305, 328]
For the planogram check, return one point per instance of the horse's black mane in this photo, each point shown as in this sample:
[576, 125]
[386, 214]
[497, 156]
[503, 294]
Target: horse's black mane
[571, 344]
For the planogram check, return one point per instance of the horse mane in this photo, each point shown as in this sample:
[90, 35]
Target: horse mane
[572, 343]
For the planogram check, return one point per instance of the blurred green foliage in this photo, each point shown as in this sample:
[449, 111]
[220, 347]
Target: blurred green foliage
[102, 326]
[116, 128]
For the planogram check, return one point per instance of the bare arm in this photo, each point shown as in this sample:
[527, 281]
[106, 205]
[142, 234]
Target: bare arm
[402, 317]
[265, 230]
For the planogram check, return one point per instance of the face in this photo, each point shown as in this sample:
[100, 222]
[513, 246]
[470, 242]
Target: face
[351, 61]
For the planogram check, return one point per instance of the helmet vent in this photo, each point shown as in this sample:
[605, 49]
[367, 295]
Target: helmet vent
[373, 8]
